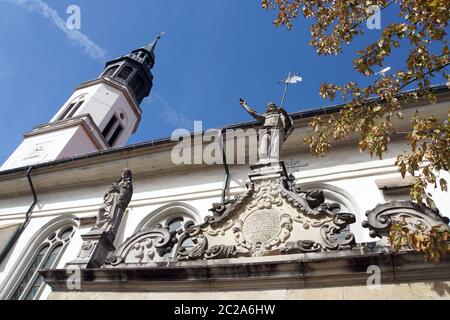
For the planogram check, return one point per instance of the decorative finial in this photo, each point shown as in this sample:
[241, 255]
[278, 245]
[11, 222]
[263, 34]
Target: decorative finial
[151, 47]
[160, 35]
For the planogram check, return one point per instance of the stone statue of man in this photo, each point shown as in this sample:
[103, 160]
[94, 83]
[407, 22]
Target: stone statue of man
[115, 202]
[278, 125]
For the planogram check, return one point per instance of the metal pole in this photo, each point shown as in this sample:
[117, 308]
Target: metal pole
[226, 182]
[285, 90]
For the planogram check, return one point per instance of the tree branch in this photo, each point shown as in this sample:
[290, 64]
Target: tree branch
[414, 79]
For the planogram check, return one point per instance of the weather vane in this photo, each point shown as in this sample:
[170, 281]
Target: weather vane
[383, 72]
[291, 79]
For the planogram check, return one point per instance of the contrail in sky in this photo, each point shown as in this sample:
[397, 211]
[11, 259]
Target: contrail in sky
[75, 36]
[170, 115]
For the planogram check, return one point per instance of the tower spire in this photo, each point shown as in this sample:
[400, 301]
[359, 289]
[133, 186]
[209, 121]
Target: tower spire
[151, 47]
[146, 55]
[134, 70]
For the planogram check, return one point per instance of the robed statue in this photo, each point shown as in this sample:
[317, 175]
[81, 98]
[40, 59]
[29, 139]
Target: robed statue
[278, 125]
[115, 202]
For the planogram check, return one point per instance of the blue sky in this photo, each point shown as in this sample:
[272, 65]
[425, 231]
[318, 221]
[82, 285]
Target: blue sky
[213, 53]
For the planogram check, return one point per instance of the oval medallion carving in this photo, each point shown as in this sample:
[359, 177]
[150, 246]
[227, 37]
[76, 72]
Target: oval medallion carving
[261, 226]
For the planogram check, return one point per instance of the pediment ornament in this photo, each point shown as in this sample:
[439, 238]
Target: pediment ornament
[274, 216]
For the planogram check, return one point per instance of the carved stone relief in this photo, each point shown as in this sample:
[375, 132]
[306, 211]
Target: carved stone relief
[143, 247]
[272, 217]
[283, 220]
[86, 249]
[380, 219]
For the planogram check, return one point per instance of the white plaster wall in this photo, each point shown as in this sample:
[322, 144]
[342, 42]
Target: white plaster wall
[16, 205]
[52, 145]
[88, 91]
[441, 198]
[117, 104]
[79, 144]
[101, 102]
[402, 291]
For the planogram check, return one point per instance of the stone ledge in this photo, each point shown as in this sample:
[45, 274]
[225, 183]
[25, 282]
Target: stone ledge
[330, 269]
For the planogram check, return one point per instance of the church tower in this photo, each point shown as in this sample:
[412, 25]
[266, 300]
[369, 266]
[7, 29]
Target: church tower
[101, 113]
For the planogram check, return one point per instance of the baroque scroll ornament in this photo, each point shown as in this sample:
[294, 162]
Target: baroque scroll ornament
[406, 213]
[271, 217]
[144, 247]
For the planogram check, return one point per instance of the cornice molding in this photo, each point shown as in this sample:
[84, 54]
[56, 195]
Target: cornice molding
[84, 120]
[311, 270]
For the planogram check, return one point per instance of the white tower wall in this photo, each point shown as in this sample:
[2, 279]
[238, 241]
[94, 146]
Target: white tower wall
[82, 132]
[101, 101]
[50, 146]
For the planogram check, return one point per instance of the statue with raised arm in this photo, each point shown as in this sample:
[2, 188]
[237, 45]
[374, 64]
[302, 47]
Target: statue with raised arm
[278, 125]
[115, 202]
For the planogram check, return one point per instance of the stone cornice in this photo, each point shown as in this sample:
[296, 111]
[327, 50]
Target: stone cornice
[84, 120]
[312, 270]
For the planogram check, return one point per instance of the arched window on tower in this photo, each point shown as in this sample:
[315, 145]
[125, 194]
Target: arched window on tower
[112, 130]
[125, 73]
[110, 71]
[30, 284]
[72, 108]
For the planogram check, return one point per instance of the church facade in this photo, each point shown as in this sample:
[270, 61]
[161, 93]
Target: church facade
[85, 216]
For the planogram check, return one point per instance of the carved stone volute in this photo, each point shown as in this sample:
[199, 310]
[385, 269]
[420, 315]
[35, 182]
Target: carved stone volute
[380, 219]
[143, 247]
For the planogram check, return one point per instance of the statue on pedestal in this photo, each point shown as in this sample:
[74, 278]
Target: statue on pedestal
[278, 125]
[115, 202]
[99, 242]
